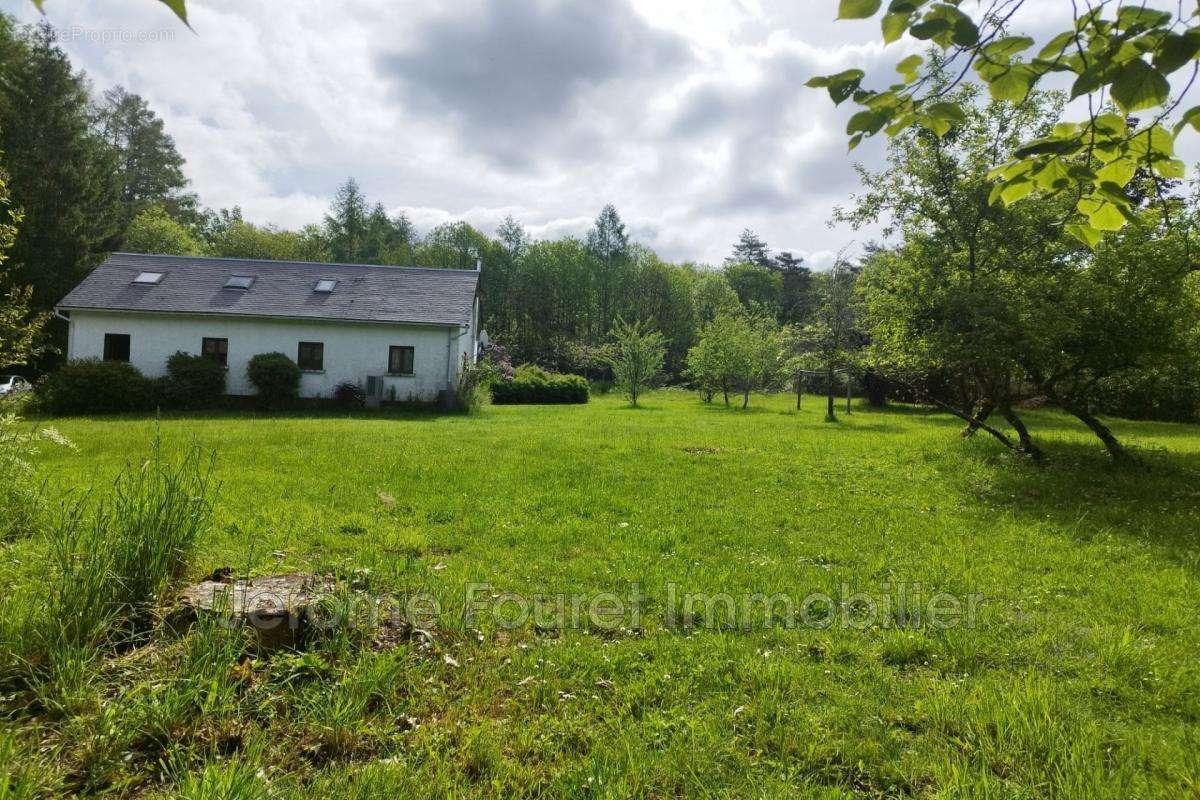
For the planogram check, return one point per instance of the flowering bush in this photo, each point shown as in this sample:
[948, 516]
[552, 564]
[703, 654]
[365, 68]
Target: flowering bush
[495, 355]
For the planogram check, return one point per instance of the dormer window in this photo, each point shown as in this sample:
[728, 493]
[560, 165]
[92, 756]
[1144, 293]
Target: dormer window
[148, 278]
[325, 285]
[239, 282]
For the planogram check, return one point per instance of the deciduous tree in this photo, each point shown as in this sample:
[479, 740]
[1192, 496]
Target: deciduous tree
[638, 360]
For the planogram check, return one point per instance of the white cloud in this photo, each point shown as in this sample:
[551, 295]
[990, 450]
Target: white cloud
[689, 115]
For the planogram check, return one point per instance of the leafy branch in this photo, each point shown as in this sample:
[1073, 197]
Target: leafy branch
[1122, 60]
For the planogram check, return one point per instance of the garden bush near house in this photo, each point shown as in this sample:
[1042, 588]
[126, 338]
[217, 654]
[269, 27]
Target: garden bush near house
[92, 386]
[349, 395]
[533, 385]
[192, 381]
[276, 377]
[473, 382]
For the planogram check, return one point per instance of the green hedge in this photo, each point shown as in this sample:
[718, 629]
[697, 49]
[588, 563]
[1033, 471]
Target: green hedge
[531, 385]
[92, 386]
[191, 382]
[276, 377]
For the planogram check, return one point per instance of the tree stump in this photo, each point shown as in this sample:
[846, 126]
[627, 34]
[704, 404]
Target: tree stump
[277, 607]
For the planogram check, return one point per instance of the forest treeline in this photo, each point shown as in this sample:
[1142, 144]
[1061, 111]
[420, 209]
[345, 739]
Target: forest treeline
[980, 304]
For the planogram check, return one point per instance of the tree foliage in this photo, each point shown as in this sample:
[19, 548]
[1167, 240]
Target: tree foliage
[62, 173]
[736, 354]
[178, 8]
[155, 231]
[1120, 53]
[149, 170]
[996, 299]
[20, 326]
[638, 359]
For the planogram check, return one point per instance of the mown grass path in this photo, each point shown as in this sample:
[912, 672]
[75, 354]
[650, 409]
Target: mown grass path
[1078, 678]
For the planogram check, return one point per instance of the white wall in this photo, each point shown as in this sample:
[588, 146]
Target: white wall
[352, 350]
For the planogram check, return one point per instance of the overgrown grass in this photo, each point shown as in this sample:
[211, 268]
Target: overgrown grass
[1078, 678]
[105, 559]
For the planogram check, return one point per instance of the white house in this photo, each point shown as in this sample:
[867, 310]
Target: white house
[402, 331]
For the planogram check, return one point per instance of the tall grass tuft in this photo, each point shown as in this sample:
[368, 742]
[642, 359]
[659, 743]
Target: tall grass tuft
[23, 775]
[236, 779]
[109, 560]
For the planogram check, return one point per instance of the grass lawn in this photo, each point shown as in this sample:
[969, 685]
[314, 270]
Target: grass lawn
[1077, 677]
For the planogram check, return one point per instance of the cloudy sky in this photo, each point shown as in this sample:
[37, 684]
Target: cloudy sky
[689, 115]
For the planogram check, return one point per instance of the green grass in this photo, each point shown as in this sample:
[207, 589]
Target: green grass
[1079, 677]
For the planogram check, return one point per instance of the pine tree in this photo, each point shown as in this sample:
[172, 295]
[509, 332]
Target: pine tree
[608, 243]
[149, 168]
[346, 224]
[61, 172]
[750, 250]
[798, 298]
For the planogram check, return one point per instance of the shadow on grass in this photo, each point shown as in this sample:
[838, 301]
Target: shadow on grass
[735, 408]
[1081, 490]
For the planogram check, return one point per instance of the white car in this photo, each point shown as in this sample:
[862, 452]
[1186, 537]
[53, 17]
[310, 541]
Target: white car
[13, 384]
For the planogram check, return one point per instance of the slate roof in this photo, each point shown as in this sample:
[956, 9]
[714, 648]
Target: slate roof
[194, 285]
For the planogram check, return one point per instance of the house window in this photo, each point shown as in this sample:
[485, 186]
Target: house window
[116, 347]
[311, 356]
[149, 278]
[239, 282]
[400, 360]
[216, 349]
[325, 285]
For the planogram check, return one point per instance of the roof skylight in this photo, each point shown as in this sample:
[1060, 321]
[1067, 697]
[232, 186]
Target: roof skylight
[239, 282]
[149, 278]
[325, 285]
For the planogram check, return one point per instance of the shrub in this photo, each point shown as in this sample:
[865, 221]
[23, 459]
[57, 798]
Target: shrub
[192, 382]
[276, 377]
[91, 386]
[473, 382]
[531, 372]
[498, 358]
[532, 384]
[349, 395]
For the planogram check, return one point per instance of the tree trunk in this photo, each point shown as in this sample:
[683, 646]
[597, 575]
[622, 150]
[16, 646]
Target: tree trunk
[983, 409]
[876, 387]
[746, 398]
[998, 435]
[726, 392]
[799, 392]
[829, 412]
[1027, 446]
[1115, 448]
